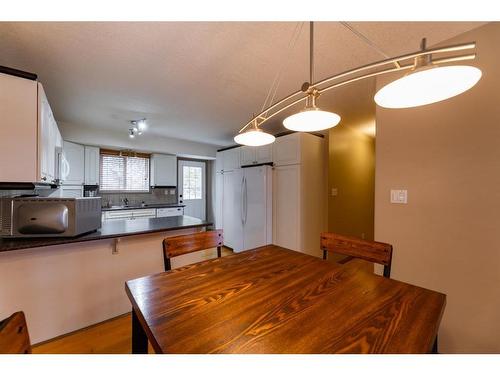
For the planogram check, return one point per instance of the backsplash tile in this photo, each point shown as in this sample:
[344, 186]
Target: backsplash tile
[157, 196]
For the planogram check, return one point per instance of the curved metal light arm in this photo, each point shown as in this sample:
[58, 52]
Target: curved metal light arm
[284, 103]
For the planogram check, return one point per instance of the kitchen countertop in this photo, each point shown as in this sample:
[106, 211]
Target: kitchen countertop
[158, 205]
[109, 229]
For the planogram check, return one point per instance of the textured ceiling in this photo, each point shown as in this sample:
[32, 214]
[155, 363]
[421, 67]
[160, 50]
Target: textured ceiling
[199, 81]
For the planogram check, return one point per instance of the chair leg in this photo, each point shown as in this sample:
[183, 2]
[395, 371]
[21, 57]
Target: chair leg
[219, 251]
[324, 254]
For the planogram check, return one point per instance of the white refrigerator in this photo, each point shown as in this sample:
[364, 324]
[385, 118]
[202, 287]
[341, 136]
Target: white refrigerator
[244, 205]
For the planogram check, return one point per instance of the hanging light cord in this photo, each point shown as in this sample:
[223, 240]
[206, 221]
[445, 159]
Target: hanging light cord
[366, 40]
[271, 94]
[311, 52]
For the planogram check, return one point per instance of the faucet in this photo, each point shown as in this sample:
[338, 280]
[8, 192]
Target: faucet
[125, 201]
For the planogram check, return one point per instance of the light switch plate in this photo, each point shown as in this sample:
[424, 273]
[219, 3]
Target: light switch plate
[399, 196]
[335, 192]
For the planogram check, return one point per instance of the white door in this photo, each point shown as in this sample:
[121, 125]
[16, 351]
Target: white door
[255, 206]
[286, 210]
[192, 188]
[219, 197]
[232, 214]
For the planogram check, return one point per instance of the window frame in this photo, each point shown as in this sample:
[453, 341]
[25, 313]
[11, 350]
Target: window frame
[125, 155]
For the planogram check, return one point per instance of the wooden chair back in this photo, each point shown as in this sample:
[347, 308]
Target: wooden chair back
[376, 252]
[190, 243]
[14, 337]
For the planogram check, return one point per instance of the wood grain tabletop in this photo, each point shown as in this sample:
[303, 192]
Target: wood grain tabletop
[274, 300]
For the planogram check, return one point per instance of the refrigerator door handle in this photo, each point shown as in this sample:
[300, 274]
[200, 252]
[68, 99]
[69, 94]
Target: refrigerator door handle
[242, 200]
[246, 201]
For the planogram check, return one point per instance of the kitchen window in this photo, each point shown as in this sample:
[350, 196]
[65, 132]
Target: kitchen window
[124, 173]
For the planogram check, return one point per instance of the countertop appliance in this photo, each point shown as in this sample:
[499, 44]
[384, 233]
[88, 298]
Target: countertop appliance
[246, 207]
[49, 217]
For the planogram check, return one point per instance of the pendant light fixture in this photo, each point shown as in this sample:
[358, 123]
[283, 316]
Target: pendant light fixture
[254, 137]
[311, 118]
[426, 84]
[430, 79]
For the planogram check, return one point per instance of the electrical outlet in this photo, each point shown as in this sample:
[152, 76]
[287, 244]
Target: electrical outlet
[399, 196]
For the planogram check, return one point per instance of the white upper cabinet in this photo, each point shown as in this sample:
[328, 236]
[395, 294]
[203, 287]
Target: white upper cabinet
[230, 159]
[30, 135]
[163, 170]
[286, 150]
[247, 155]
[91, 165]
[74, 155]
[18, 132]
[50, 141]
[256, 155]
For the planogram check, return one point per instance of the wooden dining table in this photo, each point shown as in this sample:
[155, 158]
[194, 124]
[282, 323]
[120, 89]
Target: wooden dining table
[275, 300]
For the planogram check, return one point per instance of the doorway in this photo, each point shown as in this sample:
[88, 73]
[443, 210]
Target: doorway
[192, 188]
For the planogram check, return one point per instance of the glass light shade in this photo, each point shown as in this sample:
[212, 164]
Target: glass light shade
[141, 125]
[254, 137]
[311, 119]
[428, 85]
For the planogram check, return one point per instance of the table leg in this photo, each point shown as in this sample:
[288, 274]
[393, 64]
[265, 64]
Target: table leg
[139, 338]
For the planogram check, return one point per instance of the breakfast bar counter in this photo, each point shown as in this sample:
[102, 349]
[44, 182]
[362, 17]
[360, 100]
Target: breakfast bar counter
[65, 284]
[109, 229]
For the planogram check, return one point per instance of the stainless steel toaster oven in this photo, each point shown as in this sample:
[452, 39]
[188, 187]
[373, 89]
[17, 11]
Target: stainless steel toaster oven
[49, 217]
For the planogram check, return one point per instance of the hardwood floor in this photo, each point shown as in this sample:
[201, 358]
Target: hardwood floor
[114, 336]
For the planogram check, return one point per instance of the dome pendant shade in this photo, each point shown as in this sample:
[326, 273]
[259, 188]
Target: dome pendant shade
[311, 119]
[427, 85]
[254, 137]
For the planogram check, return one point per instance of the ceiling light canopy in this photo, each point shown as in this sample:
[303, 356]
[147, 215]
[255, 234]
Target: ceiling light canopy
[138, 127]
[426, 82]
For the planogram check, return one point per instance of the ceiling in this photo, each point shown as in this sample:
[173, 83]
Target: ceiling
[198, 81]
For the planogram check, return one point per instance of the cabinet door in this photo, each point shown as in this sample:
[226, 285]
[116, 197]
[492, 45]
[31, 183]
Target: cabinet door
[19, 148]
[264, 154]
[163, 170]
[286, 150]
[286, 207]
[247, 155]
[75, 156]
[45, 140]
[219, 196]
[91, 165]
[231, 209]
[231, 159]
[219, 162]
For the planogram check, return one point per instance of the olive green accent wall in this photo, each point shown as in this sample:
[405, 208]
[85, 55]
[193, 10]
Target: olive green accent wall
[351, 164]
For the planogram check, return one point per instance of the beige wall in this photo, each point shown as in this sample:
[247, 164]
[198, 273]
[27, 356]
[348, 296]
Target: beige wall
[351, 164]
[446, 238]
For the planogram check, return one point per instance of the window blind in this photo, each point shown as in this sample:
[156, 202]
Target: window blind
[124, 173]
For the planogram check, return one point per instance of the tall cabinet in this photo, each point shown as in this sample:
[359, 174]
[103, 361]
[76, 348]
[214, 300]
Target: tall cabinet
[299, 192]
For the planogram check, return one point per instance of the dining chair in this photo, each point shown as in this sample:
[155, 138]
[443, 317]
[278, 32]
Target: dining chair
[376, 252]
[190, 243]
[14, 336]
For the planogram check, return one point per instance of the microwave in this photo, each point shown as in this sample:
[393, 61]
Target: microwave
[49, 217]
